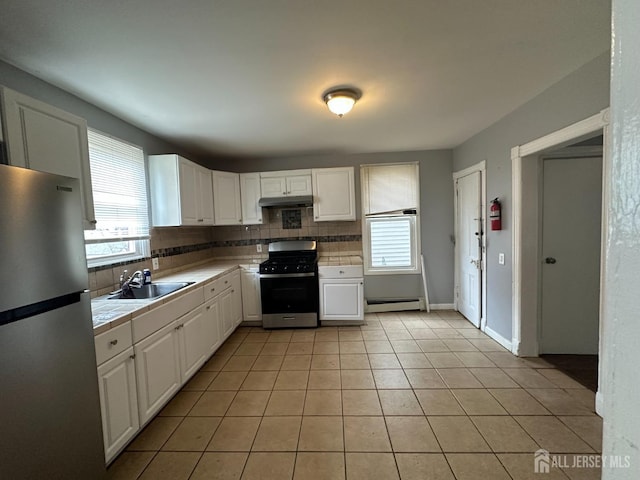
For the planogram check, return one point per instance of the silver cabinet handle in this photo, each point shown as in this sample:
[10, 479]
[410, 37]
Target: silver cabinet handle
[341, 272]
[113, 342]
[201, 219]
[209, 307]
[93, 222]
[213, 289]
[132, 357]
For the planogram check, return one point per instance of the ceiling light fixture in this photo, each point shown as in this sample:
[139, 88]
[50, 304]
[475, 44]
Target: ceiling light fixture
[341, 100]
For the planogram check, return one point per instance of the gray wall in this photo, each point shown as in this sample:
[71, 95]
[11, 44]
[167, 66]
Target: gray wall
[97, 118]
[436, 206]
[579, 95]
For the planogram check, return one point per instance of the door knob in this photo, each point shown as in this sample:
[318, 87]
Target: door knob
[550, 260]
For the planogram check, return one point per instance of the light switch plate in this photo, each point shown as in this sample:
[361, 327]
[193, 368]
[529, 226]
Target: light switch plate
[259, 247]
[501, 258]
[155, 263]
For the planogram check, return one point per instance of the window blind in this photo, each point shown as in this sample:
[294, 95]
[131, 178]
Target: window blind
[391, 244]
[119, 190]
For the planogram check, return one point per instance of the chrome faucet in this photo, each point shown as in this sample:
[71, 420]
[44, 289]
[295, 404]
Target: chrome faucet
[134, 281]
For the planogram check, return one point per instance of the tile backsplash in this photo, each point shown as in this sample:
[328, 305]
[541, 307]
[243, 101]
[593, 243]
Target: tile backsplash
[177, 247]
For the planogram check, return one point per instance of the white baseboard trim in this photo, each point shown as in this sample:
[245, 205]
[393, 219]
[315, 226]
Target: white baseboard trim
[599, 404]
[441, 306]
[497, 337]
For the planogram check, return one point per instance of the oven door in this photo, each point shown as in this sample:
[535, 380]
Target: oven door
[289, 293]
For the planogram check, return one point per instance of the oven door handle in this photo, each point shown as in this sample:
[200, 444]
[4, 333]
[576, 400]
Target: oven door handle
[287, 275]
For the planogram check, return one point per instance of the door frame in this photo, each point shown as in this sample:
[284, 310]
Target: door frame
[525, 181]
[478, 167]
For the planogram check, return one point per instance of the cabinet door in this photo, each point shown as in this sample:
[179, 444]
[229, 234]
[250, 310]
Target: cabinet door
[204, 197]
[212, 326]
[226, 198]
[333, 194]
[236, 294]
[189, 192]
[191, 333]
[45, 138]
[226, 312]
[341, 299]
[251, 303]
[249, 195]
[118, 402]
[273, 186]
[299, 185]
[157, 369]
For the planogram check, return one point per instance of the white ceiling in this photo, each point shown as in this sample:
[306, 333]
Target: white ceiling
[245, 77]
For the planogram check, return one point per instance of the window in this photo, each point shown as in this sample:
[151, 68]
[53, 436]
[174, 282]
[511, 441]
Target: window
[391, 227]
[120, 202]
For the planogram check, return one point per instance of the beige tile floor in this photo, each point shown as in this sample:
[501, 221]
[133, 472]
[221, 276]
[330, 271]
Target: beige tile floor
[410, 395]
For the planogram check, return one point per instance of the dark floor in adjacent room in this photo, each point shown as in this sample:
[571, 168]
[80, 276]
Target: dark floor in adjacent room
[582, 368]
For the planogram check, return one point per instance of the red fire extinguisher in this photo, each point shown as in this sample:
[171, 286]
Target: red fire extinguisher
[495, 214]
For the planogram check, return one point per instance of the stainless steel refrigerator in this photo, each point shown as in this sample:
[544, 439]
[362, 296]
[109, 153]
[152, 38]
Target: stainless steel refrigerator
[50, 426]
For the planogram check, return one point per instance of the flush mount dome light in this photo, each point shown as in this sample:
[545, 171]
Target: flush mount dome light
[341, 100]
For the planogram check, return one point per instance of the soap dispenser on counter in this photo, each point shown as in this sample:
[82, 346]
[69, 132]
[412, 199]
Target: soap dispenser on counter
[147, 276]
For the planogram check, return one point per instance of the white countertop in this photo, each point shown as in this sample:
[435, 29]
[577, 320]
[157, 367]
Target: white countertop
[111, 313]
[339, 260]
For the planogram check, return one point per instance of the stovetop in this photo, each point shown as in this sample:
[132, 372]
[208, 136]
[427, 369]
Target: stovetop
[291, 257]
[289, 264]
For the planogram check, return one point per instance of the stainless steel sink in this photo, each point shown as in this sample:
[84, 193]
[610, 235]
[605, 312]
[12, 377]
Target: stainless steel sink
[150, 291]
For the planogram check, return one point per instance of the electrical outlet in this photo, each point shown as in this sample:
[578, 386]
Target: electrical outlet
[501, 258]
[155, 263]
[259, 247]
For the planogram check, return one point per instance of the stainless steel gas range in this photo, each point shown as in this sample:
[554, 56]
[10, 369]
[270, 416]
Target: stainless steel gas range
[289, 285]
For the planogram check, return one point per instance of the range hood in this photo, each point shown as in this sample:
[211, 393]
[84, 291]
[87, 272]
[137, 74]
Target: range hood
[291, 201]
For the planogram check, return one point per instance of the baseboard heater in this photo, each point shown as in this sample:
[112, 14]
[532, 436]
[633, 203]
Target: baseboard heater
[374, 305]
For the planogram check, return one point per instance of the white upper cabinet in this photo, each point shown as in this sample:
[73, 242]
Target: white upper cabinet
[333, 194]
[286, 183]
[252, 214]
[298, 185]
[181, 192]
[226, 198]
[41, 137]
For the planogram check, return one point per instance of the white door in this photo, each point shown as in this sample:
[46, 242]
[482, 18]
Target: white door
[572, 199]
[250, 194]
[333, 194]
[118, 402]
[226, 312]
[212, 326]
[205, 197]
[299, 185]
[251, 302]
[341, 299]
[192, 343]
[189, 193]
[236, 291]
[158, 370]
[226, 194]
[469, 248]
[273, 186]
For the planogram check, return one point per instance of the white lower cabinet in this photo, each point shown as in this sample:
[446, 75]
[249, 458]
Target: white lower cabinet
[251, 302]
[137, 379]
[236, 298]
[118, 402]
[193, 349]
[341, 293]
[157, 370]
[226, 312]
[212, 320]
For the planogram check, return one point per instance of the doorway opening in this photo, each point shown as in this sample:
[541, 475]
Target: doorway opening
[529, 265]
[470, 249]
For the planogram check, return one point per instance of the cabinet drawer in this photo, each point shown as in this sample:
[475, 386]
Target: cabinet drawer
[112, 342]
[154, 320]
[217, 286]
[345, 271]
